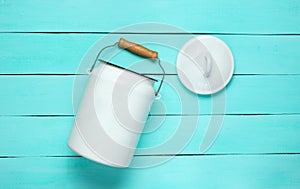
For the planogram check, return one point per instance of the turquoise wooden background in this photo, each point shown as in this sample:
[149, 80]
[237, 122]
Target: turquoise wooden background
[41, 46]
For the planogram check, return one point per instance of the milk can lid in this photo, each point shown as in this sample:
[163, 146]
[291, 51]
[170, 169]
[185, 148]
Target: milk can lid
[205, 65]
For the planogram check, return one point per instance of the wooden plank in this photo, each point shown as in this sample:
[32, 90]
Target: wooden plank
[47, 136]
[32, 135]
[193, 15]
[258, 94]
[239, 134]
[42, 54]
[63, 53]
[44, 94]
[181, 172]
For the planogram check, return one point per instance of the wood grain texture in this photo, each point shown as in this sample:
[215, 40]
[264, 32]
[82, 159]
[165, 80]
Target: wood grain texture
[195, 16]
[62, 53]
[247, 172]
[137, 49]
[239, 135]
[260, 94]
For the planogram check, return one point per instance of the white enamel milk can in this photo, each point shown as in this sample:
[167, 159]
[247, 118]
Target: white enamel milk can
[113, 110]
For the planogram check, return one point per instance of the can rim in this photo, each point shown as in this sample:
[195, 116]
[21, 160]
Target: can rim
[111, 64]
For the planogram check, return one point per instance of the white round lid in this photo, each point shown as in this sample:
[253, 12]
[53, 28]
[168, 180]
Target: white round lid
[205, 65]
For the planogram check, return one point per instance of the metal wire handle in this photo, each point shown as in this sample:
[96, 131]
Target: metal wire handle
[163, 77]
[110, 46]
[99, 53]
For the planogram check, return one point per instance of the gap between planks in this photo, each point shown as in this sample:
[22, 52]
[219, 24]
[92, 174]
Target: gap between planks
[157, 33]
[158, 155]
[155, 74]
[170, 115]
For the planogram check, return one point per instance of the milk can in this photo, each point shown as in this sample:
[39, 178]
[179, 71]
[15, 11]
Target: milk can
[113, 110]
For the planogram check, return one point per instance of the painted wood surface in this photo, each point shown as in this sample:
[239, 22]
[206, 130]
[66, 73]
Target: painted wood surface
[62, 53]
[239, 135]
[263, 171]
[258, 94]
[43, 43]
[214, 16]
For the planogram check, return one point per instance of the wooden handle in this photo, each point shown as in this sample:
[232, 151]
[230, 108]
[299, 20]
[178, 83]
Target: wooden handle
[137, 49]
